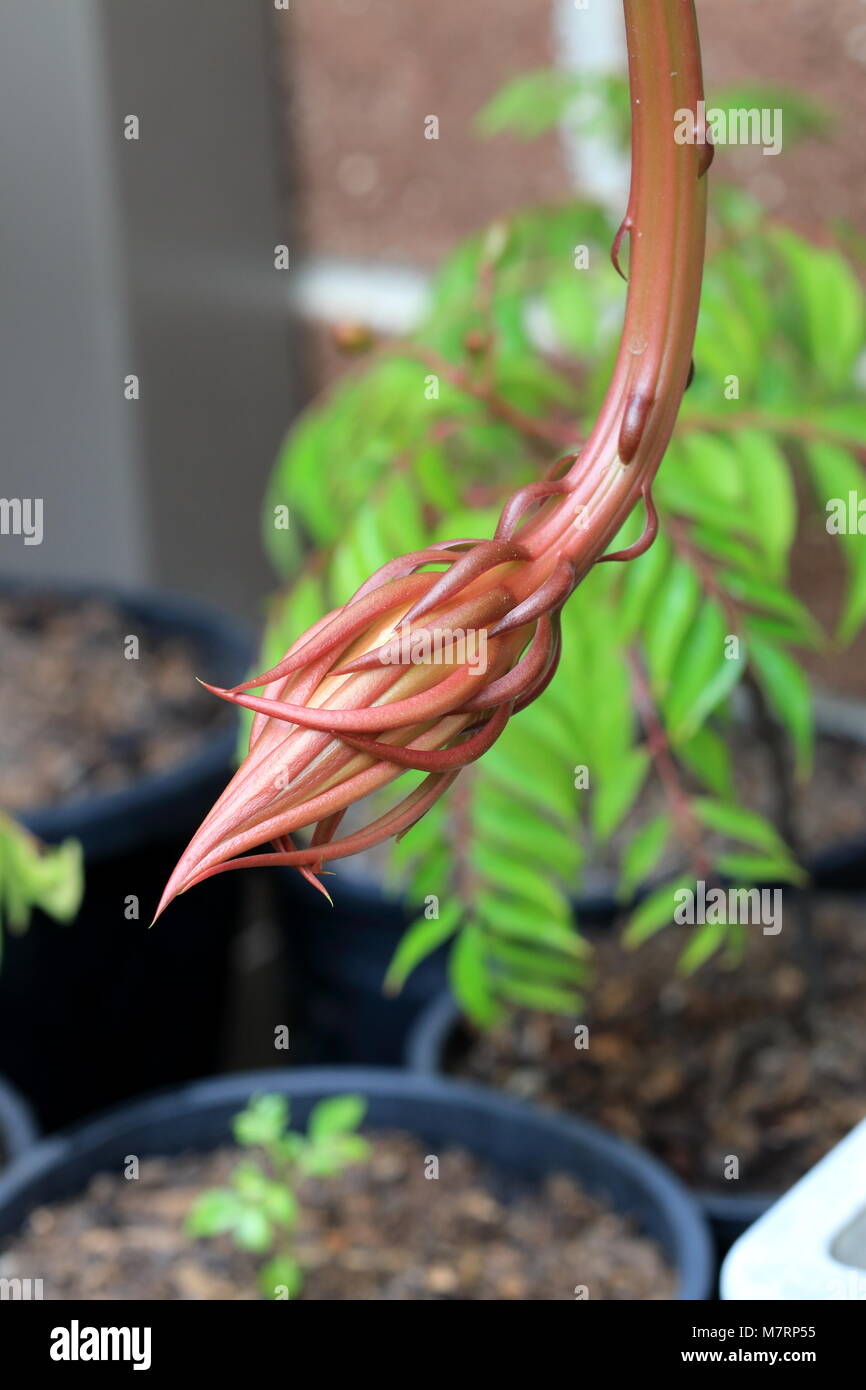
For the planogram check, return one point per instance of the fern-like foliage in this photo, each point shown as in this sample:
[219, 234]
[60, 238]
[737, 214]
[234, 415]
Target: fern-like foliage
[424, 441]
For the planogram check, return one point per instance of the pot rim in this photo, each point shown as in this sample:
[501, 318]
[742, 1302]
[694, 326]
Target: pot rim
[689, 1244]
[18, 1128]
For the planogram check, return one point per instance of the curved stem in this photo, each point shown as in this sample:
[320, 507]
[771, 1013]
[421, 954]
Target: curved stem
[666, 222]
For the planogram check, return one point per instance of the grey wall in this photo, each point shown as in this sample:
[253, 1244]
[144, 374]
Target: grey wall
[65, 433]
[155, 257]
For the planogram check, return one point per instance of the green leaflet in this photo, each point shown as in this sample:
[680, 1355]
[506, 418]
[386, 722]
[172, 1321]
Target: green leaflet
[720, 545]
[643, 852]
[831, 305]
[789, 696]
[616, 792]
[738, 823]
[529, 104]
[642, 577]
[704, 674]
[514, 879]
[712, 462]
[801, 117]
[760, 868]
[838, 480]
[419, 941]
[681, 493]
[531, 386]
[422, 837]
[33, 875]
[436, 486]
[522, 832]
[704, 942]
[401, 522]
[531, 994]
[653, 913]
[505, 916]
[726, 336]
[470, 978]
[764, 595]
[534, 102]
[746, 289]
[531, 962]
[260, 1209]
[673, 608]
[336, 1115]
[844, 418]
[707, 755]
[540, 783]
[770, 497]
[430, 874]
[575, 298]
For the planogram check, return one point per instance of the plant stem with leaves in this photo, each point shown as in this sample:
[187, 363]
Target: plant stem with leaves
[340, 719]
[261, 1207]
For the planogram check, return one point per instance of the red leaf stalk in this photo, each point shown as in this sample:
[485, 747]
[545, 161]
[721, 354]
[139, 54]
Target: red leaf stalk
[393, 680]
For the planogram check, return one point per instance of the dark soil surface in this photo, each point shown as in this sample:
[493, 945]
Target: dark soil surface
[79, 717]
[382, 1230]
[720, 1064]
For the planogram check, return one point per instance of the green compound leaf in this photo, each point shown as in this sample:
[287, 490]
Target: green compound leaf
[336, 1115]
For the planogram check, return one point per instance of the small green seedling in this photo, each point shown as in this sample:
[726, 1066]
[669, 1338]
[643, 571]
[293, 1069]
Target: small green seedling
[260, 1208]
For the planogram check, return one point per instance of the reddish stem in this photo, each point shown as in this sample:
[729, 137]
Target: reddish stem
[666, 221]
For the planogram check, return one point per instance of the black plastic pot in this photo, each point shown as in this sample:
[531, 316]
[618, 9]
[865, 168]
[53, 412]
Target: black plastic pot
[840, 867]
[18, 1130]
[104, 1008]
[436, 1042]
[521, 1143]
[340, 954]
[338, 958]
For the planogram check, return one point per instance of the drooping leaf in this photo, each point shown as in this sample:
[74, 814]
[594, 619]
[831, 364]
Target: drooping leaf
[470, 977]
[788, 693]
[421, 939]
[653, 913]
[643, 853]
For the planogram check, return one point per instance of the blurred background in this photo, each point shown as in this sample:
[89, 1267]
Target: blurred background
[262, 126]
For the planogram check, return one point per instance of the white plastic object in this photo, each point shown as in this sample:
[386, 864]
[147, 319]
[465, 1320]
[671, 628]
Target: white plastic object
[811, 1244]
